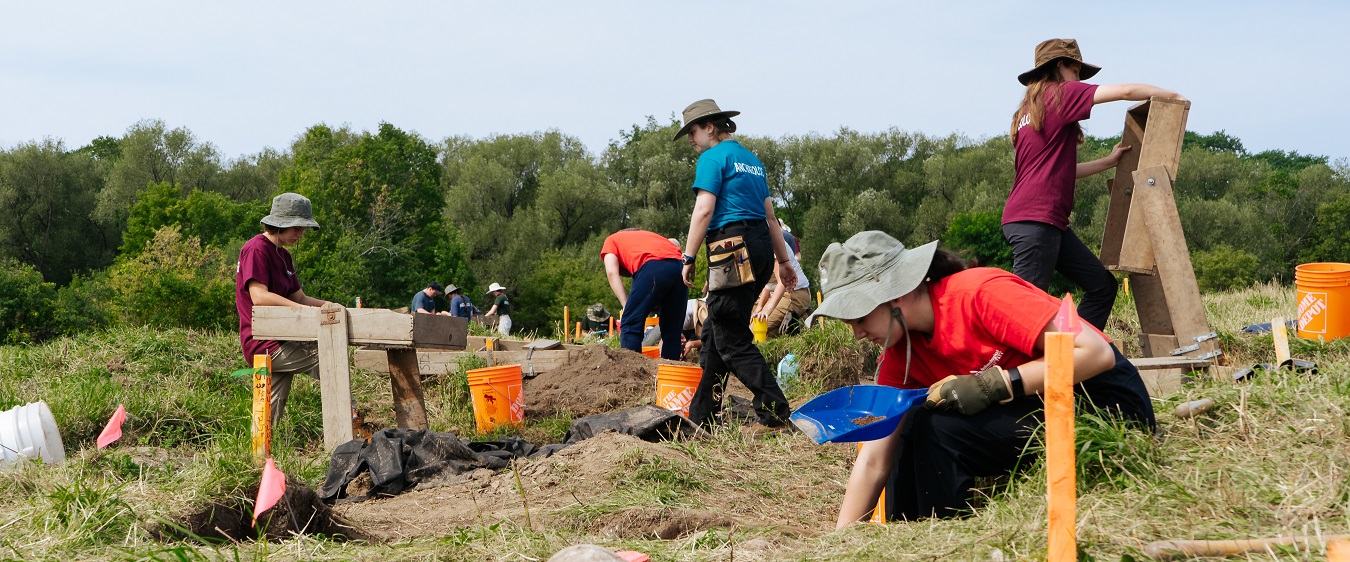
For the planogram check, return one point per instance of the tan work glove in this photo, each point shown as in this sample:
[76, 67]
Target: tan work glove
[969, 394]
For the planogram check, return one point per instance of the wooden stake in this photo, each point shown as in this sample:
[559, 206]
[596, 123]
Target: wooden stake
[405, 380]
[335, 373]
[1059, 447]
[818, 299]
[566, 323]
[611, 325]
[1338, 551]
[1126, 284]
[1281, 335]
[578, 332]
[262, 408]
[878, 512]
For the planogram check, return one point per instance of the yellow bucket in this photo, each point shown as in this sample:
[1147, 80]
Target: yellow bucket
[1323, 293]
[497, 396]
[675, 386]
[760, 329]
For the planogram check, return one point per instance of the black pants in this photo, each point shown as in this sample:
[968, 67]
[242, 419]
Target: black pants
[1040, 249]
[941, 453]
[728, 344]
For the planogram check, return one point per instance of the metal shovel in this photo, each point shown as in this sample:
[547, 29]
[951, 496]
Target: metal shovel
[850, 414]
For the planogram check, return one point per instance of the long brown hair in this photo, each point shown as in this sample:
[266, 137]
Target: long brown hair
[1045, 80]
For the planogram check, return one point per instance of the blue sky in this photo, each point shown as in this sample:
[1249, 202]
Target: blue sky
[248, 75]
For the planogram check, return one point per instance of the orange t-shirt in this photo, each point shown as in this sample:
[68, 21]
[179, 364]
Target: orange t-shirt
[637, 247]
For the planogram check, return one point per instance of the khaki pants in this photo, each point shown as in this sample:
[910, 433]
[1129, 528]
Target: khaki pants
[796, 301]
[293, 357]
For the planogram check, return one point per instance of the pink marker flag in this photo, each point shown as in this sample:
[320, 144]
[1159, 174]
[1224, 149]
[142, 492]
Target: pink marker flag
[1067, 318]
[113, 431]
[272, 487]
[632, 556]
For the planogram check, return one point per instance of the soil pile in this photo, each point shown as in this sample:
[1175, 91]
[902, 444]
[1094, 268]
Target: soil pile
[299, 512]
[596, 380]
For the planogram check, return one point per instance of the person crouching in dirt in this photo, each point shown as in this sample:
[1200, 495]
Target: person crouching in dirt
[654, 264]
[266, 276]
[975, 339]
[733, 213]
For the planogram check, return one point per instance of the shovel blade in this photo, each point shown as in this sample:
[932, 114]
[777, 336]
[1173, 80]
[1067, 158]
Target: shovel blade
[855, 413]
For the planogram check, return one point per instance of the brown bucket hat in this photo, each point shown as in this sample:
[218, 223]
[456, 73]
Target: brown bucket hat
[702, 110]
[1052, 50]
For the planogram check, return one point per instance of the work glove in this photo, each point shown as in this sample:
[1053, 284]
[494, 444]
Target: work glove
[969, 394]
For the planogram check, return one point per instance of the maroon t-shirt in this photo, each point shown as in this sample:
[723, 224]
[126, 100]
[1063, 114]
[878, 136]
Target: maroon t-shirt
[1046, 160]
[262, 261]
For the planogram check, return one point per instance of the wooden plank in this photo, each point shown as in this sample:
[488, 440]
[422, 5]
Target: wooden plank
[1158, 345]
[334, 373]
[410, 409]
[1164, 135]
[1151, 303]
[1128, 269]
[477, 343]
[1153, 195]
[1060, 466]
[440, 331]
[1147, 363]
[1280, 333]
[366, 326]
[448, 361]
[1120, 188]
[1161, 382]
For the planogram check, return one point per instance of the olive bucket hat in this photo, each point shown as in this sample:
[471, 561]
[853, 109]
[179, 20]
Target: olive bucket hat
[290, 209]
[869, 269]
[597, 313]
[1052, 50]
[702, 110]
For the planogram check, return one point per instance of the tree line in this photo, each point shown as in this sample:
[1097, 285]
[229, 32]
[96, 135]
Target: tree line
[145, 228]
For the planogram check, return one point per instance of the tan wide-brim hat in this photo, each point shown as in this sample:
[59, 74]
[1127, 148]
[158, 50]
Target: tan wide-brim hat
[702, 110]
[1052, 50]
[291, 209]
[869, 269]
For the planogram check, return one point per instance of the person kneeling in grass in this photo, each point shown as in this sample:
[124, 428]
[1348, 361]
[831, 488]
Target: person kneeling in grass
[976, 339]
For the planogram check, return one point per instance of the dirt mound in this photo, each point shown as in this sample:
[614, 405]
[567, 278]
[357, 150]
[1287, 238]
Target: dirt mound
[299, 512]
[595, 381]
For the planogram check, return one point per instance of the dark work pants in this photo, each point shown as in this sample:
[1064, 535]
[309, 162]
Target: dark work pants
[1040, 249]
[941, 453]
[658, 285]
[728, 345]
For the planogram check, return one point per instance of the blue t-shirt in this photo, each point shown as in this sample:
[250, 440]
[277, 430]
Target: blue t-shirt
[422, 301]
[736, 176]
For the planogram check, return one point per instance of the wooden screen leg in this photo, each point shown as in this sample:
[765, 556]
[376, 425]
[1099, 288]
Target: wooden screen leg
[335, 376]
[410, 409]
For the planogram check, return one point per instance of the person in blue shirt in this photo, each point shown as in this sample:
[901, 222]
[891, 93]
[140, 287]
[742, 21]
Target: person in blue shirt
[424, 301]
[733, 214]
[460, 305]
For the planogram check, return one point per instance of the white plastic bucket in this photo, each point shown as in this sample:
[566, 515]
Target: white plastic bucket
[29, 432]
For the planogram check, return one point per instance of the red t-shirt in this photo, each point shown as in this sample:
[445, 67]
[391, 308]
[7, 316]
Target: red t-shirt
[262, 261]
[981, 317]
[637, 247]
[1046, 160]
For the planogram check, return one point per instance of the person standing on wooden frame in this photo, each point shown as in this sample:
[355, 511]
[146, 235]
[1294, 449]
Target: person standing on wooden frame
[1046, 131]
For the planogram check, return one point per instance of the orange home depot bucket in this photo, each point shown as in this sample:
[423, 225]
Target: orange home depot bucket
[1323, 300]
[653, 351]
[497, 396]
[651, 321]
[675, 385]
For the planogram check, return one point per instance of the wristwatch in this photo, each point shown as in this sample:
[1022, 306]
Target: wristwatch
[688, 259]
[1015, 381]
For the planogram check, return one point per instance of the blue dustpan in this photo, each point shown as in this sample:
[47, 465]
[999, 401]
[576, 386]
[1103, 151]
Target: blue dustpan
[840, 415]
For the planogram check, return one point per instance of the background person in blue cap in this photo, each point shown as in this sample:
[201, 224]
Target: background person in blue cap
[733, 214]
[267, 276]
[424, 301]
[975, 339]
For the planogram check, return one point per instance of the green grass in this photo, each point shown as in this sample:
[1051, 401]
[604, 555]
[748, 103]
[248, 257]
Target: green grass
[1272, 458]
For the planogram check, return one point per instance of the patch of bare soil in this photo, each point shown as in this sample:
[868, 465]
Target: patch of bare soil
[597, 380]
[231, 518]
[567, 490]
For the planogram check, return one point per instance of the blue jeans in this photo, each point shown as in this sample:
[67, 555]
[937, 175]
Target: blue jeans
[659, 285]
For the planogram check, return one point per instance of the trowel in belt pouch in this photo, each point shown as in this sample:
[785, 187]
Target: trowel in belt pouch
[864, 412]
